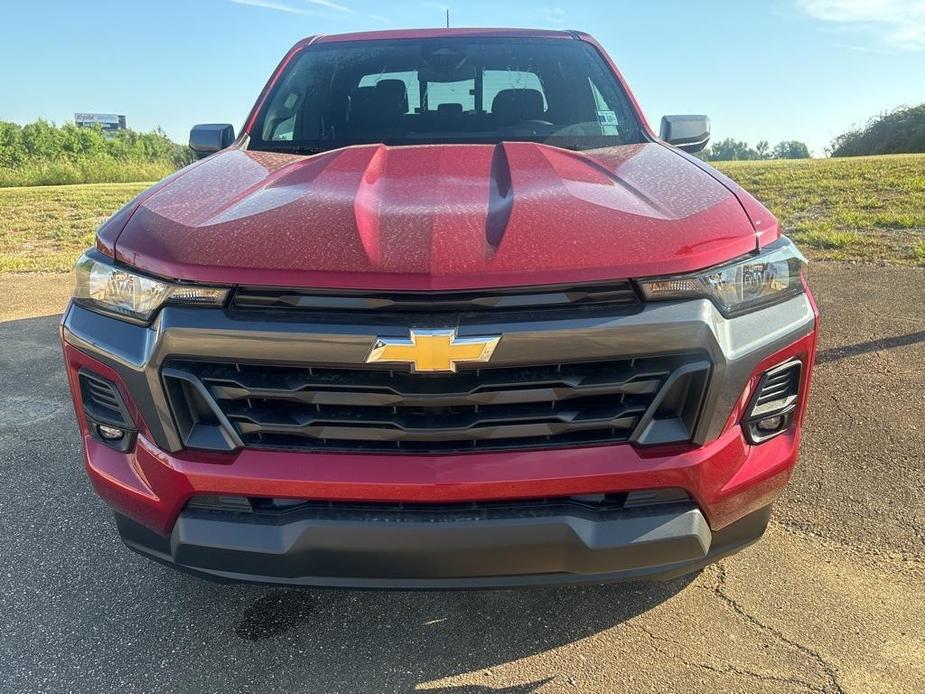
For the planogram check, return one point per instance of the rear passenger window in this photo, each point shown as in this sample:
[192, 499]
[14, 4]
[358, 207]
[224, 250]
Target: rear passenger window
[411, 84]
[462, 93]
[496, 81]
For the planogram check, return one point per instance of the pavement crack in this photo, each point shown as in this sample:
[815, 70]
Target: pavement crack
[841, 408]
[830, 670]
[722, 669]
[794, 527]
[884, 316]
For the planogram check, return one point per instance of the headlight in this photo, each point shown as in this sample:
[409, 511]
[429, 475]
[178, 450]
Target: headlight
[111, 289]
[747, 284]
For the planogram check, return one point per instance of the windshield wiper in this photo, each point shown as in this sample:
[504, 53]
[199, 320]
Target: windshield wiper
[289, 150]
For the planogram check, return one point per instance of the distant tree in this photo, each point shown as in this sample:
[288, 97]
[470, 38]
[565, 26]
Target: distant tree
[12, 152]
[763, 149]
[730, 150]
[41, 139]
[896, 132]
[791, 149]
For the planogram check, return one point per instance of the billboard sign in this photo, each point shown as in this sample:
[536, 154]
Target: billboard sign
[107, 121]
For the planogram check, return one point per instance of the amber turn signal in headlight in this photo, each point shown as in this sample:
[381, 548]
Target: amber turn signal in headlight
[748, 284]
[109, 288]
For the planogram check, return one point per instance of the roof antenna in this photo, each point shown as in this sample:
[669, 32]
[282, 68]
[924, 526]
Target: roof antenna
[447, 17]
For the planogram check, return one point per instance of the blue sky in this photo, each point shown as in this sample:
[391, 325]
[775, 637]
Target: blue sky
[782, 69]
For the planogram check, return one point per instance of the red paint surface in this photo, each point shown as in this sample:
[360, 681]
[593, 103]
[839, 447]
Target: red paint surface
[417, 217]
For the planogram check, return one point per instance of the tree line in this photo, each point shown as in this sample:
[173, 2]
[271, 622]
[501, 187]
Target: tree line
[736, 150]
[42, 140]
[901, 131]
[42, 153]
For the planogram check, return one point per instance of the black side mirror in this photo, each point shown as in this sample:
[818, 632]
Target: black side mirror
[208, 139]
[690, 133]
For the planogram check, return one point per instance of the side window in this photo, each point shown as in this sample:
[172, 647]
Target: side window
[411, 84]
[606, 115]
[279, 125]
[285, 131]
[495, 81]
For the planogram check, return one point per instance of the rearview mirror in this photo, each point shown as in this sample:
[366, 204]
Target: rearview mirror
[208, 139]
[690, 133]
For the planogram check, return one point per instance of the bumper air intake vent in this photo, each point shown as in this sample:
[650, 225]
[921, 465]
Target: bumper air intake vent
[774, 402]
[105, 410]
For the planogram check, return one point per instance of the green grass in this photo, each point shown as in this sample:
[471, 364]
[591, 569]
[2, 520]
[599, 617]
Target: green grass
[869, 209]
[44, 229]
[862, 209]
[90, 170]
[918, 252]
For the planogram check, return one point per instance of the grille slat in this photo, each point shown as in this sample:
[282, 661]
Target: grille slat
[535, 385]
[779, 386]
[417, 426]
[101, 400]
[777, 390]
[391, 409]
[103, 397]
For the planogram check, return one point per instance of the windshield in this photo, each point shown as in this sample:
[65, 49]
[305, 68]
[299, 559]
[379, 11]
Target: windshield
[430, 91]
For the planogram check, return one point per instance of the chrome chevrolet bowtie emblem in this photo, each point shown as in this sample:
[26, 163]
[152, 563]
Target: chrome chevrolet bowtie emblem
[433, 350]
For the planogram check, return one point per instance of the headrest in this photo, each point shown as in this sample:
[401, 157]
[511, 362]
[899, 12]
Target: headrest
[514, 105]
[450, 109]
[361, 102]
[391, 98]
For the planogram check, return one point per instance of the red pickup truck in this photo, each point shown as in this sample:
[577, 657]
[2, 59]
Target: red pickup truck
[446, 313]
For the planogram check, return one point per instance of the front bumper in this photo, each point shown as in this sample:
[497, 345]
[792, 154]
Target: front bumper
[727, 479]
[414, 550]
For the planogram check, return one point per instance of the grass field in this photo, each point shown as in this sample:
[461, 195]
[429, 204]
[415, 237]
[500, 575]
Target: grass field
[44, 229]
[98, 170]
[865, 209]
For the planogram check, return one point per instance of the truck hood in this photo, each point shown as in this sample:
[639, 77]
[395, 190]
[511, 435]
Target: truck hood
[436, 217]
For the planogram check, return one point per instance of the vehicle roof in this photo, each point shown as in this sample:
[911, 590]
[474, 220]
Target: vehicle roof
[440, 33]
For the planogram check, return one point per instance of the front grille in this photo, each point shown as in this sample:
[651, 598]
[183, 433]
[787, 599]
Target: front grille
[643, 400]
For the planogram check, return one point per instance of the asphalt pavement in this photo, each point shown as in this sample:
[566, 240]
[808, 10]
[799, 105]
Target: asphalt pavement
[831, 600]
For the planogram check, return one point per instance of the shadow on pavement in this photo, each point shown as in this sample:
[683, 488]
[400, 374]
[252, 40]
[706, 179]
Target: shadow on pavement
[433, 635]
[838, 353]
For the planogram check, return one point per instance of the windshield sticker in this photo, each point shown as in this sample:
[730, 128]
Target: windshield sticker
[608, 122]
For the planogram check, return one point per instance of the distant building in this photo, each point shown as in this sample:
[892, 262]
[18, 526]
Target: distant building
[109, 122]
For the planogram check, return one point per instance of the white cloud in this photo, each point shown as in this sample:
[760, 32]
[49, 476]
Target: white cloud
[551, 15]
[898, 23]
[317, 10]
[330, 5]
[271, 5]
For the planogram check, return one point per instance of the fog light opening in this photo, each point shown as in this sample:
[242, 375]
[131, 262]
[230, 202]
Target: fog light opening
[771, 425]
[774, 403]
[108, 433]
